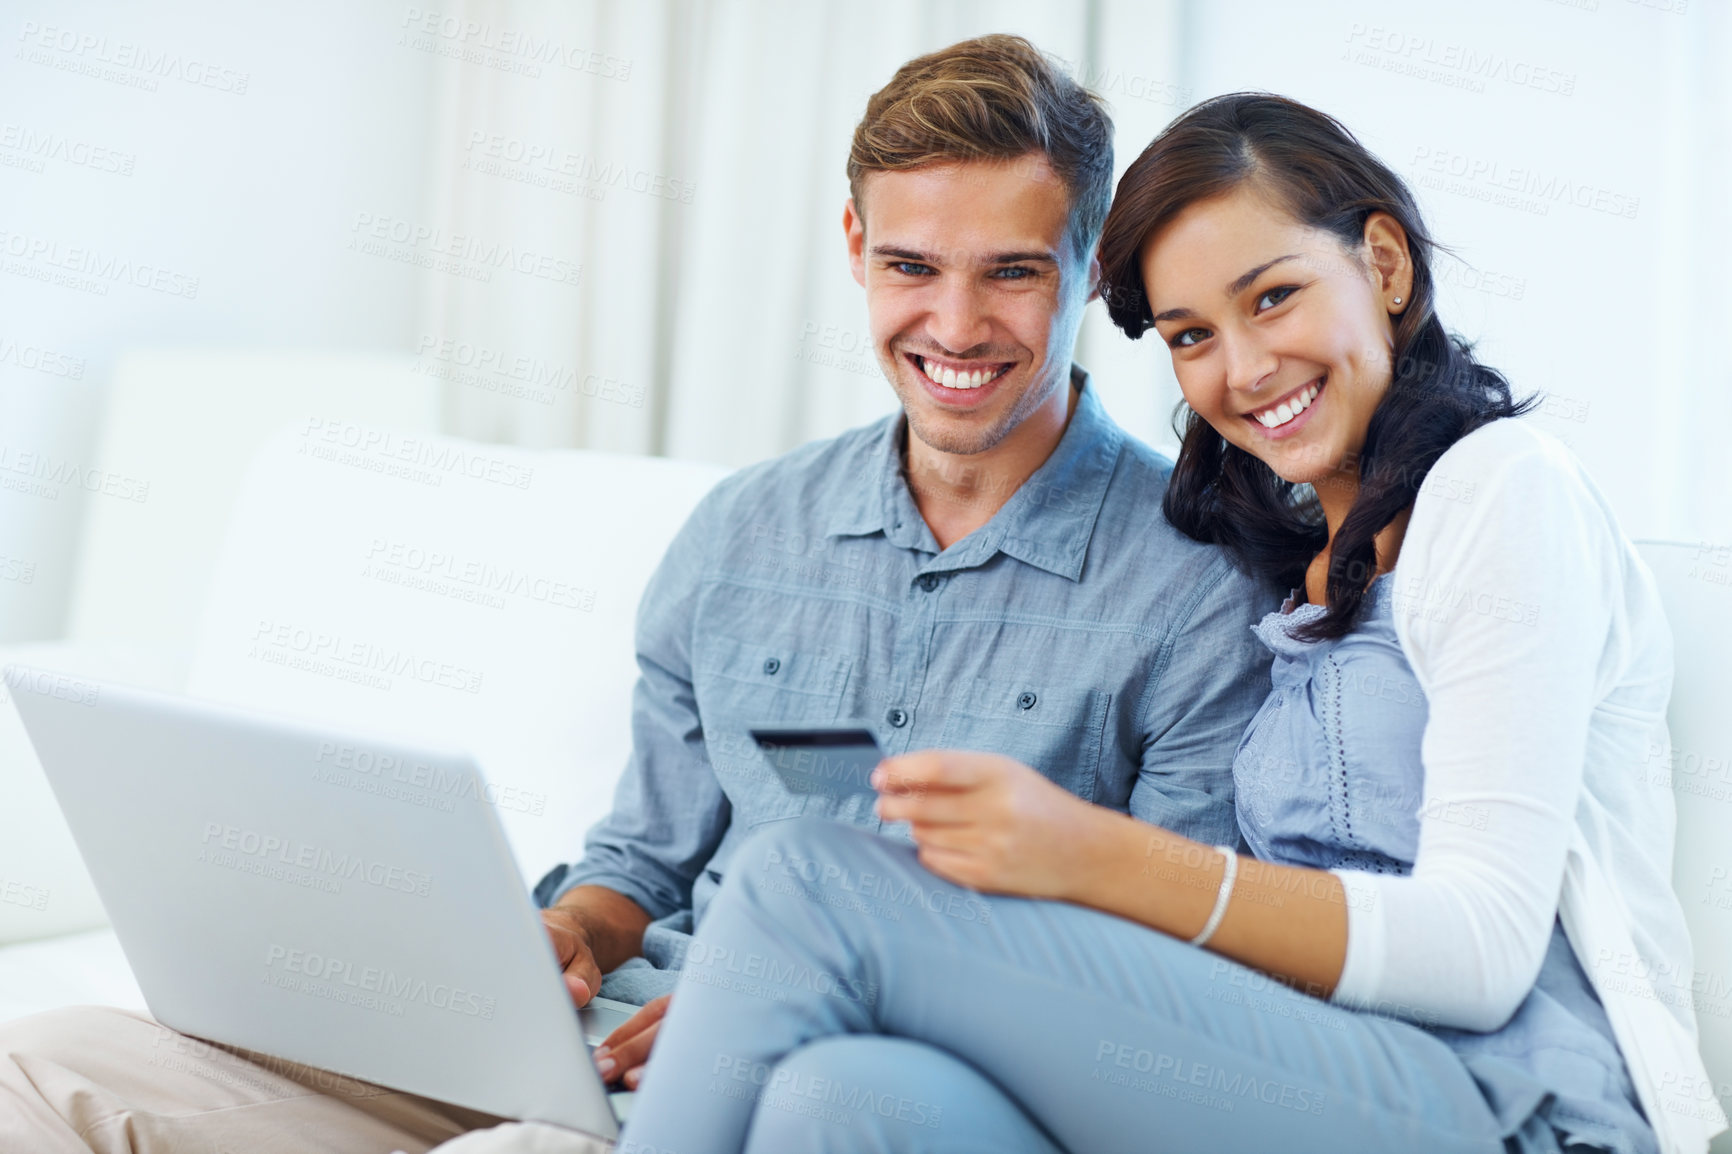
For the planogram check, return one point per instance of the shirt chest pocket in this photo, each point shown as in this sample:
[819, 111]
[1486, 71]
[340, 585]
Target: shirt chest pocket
[743, 685]
[1056, 731]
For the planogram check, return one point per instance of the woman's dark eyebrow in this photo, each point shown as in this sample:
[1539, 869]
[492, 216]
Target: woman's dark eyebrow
[1244, 282]
[1233, 290]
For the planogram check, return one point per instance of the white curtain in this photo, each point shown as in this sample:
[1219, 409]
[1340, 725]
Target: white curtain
[715, 317]
[632, 212]
[1575, 155]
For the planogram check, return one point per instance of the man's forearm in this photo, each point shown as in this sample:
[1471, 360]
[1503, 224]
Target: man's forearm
[612, 923]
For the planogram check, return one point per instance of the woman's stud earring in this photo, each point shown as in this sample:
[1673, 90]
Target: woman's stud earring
[1397, 300]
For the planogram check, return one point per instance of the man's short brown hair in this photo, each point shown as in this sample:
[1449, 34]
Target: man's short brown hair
[992, 98]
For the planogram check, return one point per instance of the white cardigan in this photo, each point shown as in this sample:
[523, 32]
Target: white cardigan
[1538, 637]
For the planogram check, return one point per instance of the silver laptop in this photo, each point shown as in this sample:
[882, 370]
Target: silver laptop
[332, 898]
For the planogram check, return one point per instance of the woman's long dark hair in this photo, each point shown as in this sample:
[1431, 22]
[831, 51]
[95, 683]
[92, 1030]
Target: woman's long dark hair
[1309, 163]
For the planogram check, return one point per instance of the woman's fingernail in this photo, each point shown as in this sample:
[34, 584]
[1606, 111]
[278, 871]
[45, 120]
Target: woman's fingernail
[633, 1077]
[605, 1066]
[602, 1052]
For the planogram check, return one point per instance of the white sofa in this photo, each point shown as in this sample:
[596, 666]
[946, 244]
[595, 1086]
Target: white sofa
[184, 427]
[521, 634]
[381, 576]
[1696, 584]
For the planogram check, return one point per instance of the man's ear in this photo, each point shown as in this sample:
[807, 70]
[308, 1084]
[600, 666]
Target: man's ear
[1094, 276]
[855, 226]
[1386, 249]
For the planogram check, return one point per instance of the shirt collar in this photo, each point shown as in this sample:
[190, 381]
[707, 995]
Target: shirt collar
[1047, 523]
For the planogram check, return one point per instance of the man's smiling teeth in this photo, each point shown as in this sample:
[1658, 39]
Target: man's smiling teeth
[951, 379]
[1279, 415]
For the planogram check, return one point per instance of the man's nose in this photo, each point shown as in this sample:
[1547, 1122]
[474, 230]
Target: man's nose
[959, 318]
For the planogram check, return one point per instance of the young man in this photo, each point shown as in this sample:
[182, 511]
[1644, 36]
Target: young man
[988, 570]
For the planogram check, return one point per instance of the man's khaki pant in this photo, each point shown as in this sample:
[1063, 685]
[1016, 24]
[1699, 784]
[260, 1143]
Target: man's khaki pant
[99, 1079]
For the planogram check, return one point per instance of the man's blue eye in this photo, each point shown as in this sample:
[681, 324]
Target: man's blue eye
[909, 268]
[1015, 272]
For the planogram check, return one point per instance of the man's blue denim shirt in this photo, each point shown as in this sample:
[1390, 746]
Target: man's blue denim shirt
[1076, 631]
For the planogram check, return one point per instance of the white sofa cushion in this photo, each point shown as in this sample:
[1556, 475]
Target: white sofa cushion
[1695, 583]
[476, 595]
[184, 425]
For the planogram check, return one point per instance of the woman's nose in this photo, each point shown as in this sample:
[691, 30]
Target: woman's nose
[1249, 363]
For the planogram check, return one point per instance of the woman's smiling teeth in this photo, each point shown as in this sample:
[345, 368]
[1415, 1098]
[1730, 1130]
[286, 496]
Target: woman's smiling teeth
[1277, 415]
[951, 379]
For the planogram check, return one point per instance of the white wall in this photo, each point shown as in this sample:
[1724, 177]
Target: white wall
[319, 115]
[231, 145]
[1612, 305]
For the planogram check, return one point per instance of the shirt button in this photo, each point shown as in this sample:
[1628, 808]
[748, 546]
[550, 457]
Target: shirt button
[929, 582]
[897, 717]
[771, 665]
[1026, 701]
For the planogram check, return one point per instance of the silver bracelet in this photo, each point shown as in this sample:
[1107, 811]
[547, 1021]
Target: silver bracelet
[1220, 910]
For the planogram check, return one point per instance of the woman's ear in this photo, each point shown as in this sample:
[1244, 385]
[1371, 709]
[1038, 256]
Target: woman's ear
[1386, 249]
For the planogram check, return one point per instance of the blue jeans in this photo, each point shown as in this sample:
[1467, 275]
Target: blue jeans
[840, 997]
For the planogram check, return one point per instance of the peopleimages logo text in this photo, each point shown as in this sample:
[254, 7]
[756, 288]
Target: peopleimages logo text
[314, 859]
[483, 254]
[517, 43]
[107, 267]
[150, 63]
[283, 643]
[47, 683]
[448, 784]
[324, 975]
[330, 439]
[40, 359]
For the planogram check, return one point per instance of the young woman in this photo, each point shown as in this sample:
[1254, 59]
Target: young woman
[1458, 882]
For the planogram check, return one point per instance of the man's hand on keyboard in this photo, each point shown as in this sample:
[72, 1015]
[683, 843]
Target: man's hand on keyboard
[571, 944]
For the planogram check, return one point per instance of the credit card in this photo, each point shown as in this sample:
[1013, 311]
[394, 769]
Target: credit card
[832, 762]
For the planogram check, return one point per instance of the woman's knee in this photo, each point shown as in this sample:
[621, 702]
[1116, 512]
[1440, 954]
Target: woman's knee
[807, 848]
[812, 852]
[869, 1092]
